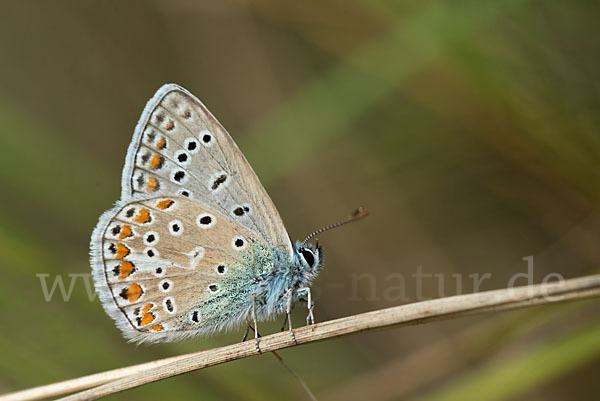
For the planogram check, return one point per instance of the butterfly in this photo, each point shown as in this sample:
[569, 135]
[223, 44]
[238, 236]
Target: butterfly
[195, 245]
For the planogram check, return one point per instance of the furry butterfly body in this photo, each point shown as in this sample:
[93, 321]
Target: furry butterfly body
[195, 245]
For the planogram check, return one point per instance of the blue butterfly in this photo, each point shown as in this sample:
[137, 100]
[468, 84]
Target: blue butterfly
[195, 245]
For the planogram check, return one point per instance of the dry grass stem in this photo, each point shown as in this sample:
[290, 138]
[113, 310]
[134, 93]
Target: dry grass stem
[114, 381]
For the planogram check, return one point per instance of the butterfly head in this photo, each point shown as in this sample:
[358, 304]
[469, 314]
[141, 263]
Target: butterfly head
[309, 257]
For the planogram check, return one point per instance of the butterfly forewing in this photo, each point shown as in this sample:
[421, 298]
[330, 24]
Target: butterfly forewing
[180, 148]
[170, 267]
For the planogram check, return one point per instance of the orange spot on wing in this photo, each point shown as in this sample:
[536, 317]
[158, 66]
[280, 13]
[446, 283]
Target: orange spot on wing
[125, 232]
[134, 292]
[170, 125]
[155, 161]
[161, 143]
[147, 319]
[125, 269]
[143, 216]
[157, 327]
[151, 184]
[122, 251]
[164, 204]
[147, 308]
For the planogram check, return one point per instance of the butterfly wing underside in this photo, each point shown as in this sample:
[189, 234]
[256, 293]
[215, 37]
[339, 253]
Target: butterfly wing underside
[179, 147]
[169, 268]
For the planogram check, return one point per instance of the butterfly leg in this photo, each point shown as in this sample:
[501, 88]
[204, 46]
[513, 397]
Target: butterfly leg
[246, 332]
[310, 319]
[288, 312]
[255, 323]
[248, 328]
[285, 320]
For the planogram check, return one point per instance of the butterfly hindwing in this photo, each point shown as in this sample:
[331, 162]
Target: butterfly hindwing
[168, 268]
[179, 148]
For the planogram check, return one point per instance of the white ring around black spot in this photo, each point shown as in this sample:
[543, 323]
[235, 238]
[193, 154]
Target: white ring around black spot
[191, 145]
[151, 238]
[186, 193]
[160, 271]
[205, 220]
[206, 138]
[179, 176]
[243, 210]
[213, 288]
[239, 243]
[176, 228]
[182, 158]
[151, 252]
[169, 305]
[221, 268]
[165, 285]
[218, 181]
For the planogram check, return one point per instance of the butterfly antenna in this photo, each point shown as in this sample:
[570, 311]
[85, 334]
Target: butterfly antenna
[358, 214]
[304, 385]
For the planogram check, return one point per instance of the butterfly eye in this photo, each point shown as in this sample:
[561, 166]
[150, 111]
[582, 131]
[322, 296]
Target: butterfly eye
[308, 256]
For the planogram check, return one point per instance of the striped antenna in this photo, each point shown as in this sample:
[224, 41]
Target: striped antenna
[358, 214]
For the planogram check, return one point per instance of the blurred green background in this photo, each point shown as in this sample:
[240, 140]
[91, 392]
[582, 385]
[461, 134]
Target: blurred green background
[469, 128]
